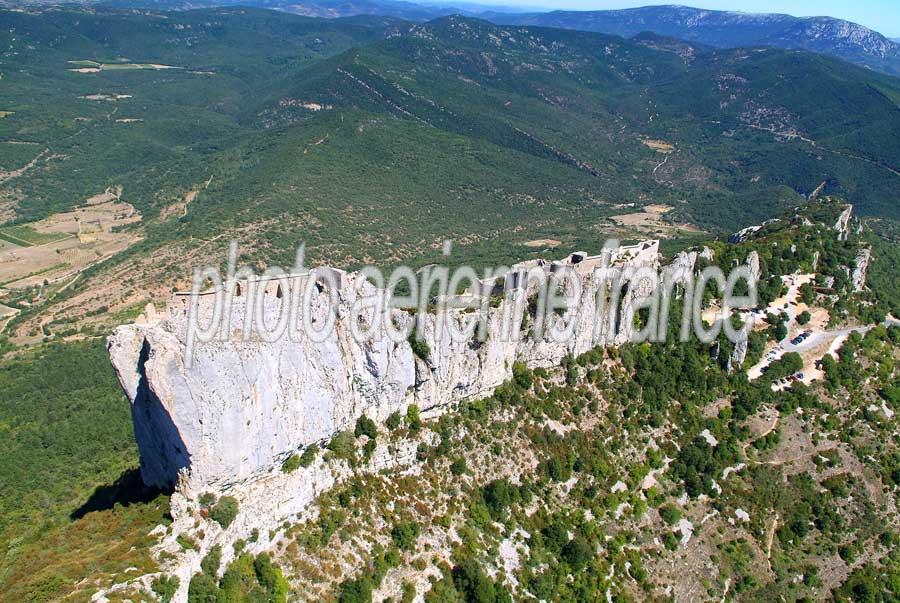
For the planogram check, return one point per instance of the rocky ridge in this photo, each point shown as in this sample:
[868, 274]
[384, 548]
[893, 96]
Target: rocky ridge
[245, 404]
[724, 29]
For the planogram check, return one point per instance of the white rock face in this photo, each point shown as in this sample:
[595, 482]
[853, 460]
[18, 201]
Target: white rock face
[842, 226]
[753, 263]
[738, 355]
[860, 268]
[245, 405]
[709, 437]
[743, 234]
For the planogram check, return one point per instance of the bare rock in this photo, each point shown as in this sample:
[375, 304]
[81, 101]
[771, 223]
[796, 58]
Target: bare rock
[842, 226]
[244, 404]
[861, 267]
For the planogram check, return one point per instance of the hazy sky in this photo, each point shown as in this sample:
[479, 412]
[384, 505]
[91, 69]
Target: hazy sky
[880, 15]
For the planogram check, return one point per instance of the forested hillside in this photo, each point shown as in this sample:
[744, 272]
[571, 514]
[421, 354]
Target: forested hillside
[254, 92]
[373, 140]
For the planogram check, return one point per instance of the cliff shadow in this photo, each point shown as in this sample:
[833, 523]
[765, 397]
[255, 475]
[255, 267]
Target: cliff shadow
[127, 489]
[163, 453]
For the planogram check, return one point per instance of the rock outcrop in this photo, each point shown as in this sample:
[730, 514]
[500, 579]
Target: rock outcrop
[753, 264]
[842, 226]
[860, 268]
[743, 234]
[738, 355]
[245, 404]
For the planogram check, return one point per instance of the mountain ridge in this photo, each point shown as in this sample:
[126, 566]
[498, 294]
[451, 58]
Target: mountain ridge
[828, 35]
[837, 37]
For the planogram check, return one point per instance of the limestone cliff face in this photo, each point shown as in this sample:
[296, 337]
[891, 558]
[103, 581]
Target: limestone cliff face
[860, 269]
[842, 226]
[244, 405]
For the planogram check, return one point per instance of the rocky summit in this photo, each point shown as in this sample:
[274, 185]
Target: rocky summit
[245, 404]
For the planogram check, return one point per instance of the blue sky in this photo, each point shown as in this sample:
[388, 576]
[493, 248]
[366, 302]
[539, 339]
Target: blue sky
[880, 15]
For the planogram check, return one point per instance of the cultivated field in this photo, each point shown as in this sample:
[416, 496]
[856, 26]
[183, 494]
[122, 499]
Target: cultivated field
[85, 66]
[63, 244]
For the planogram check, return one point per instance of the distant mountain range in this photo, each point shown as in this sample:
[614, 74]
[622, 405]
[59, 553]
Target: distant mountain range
[328, 9]
[836, 37]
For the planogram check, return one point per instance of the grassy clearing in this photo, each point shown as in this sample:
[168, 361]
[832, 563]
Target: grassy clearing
[118, 65]
[14, 240]
[26, 236]
[133, 66]
[60, 266]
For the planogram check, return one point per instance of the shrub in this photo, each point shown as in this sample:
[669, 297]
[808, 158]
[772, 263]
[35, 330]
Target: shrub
[458, 466]
[522, 375]
[670, 514]
[186, 542]
[366, 426]
[559, 470]
[270, 578]
[405, 534]
[210, 563]
[779, 331]
[343, 446]
[291, 464]
[571, 370]
[413, 419]
[555, 535]
[203, 589]
[787, 365]
[250, 578]
[473, 583]
[224, 512]
[577, 552]
[369, 449]
[165, 587]
[804, 317]
[670, 541]
[394, 421]
[419, 346]
[356, 591]
[207, 499]
[409, 592]
[309, 455]
[499, 495]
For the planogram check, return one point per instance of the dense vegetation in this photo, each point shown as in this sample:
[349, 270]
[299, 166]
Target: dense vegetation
[62, 410]
[590, 523]
[604, 468]
[247, 579]
[71, 501]
[454, 129]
